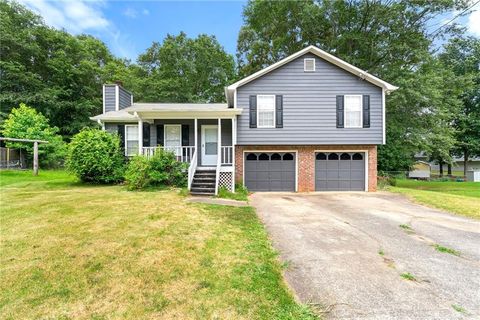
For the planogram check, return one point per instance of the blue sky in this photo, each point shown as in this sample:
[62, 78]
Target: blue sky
[129, 27]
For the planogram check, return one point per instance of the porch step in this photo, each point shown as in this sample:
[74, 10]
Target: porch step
[204, 182]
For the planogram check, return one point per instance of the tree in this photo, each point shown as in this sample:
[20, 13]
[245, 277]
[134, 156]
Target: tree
[26, 123]
[57, 73]
[185, 70]
[388, 39]
[463, 56]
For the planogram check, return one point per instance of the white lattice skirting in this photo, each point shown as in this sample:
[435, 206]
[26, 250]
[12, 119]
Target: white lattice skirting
[226, 180]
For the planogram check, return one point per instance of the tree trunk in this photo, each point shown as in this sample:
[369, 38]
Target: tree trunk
[440, 165]
[465, 162]
[449, 169]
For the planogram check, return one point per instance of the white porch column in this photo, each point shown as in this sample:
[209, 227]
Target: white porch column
[140, 135]
[219, 141]
[196, 137]
[234, 138]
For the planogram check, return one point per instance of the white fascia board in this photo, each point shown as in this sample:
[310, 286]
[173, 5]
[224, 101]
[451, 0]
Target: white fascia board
[324, 55]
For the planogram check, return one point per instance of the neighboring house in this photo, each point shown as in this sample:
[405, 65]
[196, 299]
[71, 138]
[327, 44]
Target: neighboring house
[420, 170]
[310, 122]
[473, 163]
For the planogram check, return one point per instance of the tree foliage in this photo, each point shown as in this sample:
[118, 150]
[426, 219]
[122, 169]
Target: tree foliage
[463, 57]
[26, 123]
[58, 74]
[179, 69]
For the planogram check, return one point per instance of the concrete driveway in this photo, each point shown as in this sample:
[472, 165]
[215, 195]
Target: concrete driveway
[346, 253]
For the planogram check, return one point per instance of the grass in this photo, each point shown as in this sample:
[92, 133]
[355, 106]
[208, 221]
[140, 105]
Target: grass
[406, 227]
[408, 276]
[73, 251]
[241, 193]
[381, 252]
[443, 249]
[461, 198]
[458, 308]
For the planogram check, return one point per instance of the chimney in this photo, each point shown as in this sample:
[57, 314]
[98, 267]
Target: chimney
[115, 97]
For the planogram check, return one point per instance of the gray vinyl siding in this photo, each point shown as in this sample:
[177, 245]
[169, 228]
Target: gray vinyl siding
[309, 106]
[109, 98]
[111, 127]
[125, 98]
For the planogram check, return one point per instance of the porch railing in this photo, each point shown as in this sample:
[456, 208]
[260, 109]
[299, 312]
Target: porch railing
[183, 153]
[226, 155]
[192, 168]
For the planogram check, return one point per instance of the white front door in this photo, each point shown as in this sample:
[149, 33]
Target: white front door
[209, 144]
[173, 138]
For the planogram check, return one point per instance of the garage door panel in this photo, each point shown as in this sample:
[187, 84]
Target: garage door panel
[344, 175]
[321, 175]
[321, 185]
[332, 165]
[358, 185]
[344, 165]
[321, 165]
[275, 173]
[332, 174]
[335, 171]
[357, 175]
[358, 165]
[332, 185]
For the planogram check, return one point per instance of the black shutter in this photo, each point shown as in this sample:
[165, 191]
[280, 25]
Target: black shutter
[185, 134]
[366, 111]
[146, 134]
[159, 134]
[121, 134]
[340, 112]
[253, 111]
[279, 111]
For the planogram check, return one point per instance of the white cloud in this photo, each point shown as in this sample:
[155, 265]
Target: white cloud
[83, 16]
[145, 12]
[130, 13]
[473, 24]
[73, 16]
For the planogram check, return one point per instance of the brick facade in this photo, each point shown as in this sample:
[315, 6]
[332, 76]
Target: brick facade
[306, 162]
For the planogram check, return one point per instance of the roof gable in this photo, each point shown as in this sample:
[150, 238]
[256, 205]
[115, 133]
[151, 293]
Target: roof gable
[319, 53]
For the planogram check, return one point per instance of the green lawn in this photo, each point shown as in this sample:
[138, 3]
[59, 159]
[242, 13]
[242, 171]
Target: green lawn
[457, 197]
[73, 251]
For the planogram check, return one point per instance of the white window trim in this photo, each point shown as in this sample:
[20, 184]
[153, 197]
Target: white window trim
[165, 130]
[305, 64]
[126, 139]
[274, 111]
[345, 111]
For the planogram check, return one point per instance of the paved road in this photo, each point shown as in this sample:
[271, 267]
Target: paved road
[346, 253]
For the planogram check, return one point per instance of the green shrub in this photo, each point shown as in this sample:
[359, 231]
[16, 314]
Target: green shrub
[96, 156]
[162, 169]
[137, 175]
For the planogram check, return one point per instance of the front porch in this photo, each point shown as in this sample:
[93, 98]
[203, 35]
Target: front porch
[206, 145]
[202, 135]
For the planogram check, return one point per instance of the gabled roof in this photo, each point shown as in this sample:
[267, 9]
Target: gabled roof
[321, 54]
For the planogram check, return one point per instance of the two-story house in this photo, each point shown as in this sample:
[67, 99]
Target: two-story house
[310, 122]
